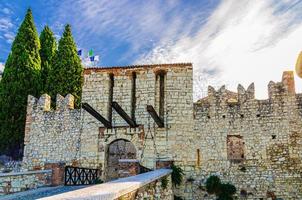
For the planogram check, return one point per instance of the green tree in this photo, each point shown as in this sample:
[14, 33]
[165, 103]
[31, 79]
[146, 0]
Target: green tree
[66, 74]
[20, 78]
[223, 191]
[47, 52]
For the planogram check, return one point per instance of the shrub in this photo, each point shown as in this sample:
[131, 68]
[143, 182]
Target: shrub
[98, 181]
[213, 184]
[223, 191]
[177, 198]
[227, 189]
[177, 175]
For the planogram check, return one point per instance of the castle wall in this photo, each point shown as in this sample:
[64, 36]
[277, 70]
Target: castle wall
[178, 112]
[50, 134]
[67, 126]
[254, 144]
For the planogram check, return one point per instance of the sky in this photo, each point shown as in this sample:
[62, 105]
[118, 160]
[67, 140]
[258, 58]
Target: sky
[228, 41]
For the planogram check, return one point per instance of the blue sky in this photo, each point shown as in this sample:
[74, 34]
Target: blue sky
[228, 41]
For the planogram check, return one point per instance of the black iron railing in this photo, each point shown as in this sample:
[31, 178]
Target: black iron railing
[80, 176]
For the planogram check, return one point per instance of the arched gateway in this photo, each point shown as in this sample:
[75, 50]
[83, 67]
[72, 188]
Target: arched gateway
[118, 149]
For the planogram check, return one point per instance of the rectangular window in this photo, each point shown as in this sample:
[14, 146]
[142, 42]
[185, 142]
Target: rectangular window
[110, 99]
[198, 157]
[133, 96]
[235, 148]
[162, 95]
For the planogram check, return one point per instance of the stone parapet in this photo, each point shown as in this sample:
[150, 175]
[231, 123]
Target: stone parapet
[144, 186]
[22, 181]
[128, 167]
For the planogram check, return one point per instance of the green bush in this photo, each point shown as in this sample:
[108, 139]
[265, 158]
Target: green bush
[227, 189]
[177, 175]
[213, 184]
[177, 198]
[223, 191]
[98, 181]
[224, 198]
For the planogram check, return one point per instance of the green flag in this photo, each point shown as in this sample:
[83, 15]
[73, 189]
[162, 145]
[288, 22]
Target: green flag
[90, 53]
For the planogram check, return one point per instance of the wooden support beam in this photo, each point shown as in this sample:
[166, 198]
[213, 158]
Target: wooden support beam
[155, 116]
[97, 115]
[123, 114]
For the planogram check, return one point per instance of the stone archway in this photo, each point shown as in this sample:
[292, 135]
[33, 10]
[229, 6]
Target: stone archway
[118, 149]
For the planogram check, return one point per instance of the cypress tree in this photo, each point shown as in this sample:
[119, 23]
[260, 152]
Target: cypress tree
[47, 52]
[20, 78]
[66, 73]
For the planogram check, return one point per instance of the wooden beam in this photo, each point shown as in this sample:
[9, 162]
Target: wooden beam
[123, 114]
[155, 116]
[97, 115]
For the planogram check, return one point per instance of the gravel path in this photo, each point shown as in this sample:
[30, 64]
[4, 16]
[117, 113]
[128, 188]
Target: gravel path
[40, 192]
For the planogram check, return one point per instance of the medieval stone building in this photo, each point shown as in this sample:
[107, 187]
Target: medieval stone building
[146, 113]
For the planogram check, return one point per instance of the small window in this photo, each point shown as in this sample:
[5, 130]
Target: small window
[235, 148]
[198, 157]
[110, 98]
[133, 96]
[162, 95]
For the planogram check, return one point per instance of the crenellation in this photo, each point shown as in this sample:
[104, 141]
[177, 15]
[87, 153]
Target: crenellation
[246, 95]
[289, 82]
[44, 103]
[59, 102]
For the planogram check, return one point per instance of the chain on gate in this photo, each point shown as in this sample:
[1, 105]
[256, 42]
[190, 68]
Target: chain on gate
[153, 139]
[78, 144]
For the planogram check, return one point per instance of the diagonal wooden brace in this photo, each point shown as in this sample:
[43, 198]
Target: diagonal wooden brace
[123, 114]
[97, 115]
[155, 116]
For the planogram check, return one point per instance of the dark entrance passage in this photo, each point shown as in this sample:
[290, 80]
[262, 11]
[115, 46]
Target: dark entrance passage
[118, 149]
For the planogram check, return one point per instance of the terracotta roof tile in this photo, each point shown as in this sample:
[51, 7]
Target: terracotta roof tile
[104, 68]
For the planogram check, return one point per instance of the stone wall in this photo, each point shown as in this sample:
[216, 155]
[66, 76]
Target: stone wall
[178, 109]
[52, 135]
[153, 190]
[254, 144]
[22, 181]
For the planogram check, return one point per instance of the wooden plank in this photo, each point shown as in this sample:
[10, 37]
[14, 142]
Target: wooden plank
[155, 116]
[123, 114]
[97, 115]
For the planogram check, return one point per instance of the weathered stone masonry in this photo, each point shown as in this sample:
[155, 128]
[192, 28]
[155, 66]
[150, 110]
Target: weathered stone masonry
[266, 135]
[255, 144]
[64, 125]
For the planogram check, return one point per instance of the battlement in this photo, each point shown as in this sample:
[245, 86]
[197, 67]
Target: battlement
[275, 89]
[222, 102]
[223, 93]
[44, 103]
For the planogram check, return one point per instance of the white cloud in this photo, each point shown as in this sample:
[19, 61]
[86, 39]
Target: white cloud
[5, 24]
[136, 24]
[6, 11]
[1, 67]
[242, 42]
[9, 36]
